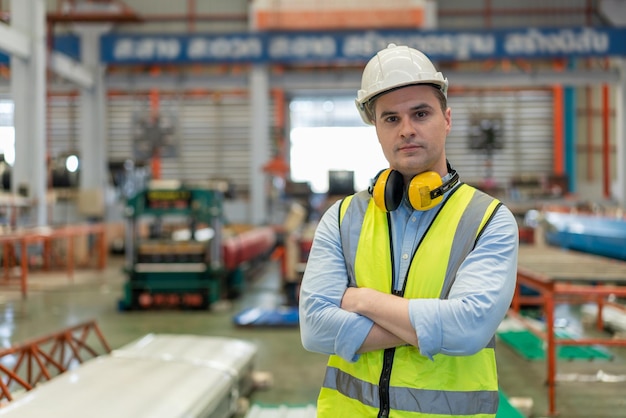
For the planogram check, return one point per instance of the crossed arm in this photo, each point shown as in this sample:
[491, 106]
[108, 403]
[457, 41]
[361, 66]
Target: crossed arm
[347, 321]
[390, 314]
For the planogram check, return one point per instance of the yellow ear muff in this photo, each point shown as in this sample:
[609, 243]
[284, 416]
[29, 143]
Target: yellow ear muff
[388, 190]
[424, 192]
[420, 188]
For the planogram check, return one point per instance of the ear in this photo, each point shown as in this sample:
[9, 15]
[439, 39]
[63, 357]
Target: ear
[448, 117]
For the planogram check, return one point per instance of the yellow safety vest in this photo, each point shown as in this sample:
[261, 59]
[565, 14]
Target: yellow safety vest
[400, 382]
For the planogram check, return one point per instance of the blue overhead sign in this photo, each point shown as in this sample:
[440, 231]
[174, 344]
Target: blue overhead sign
[337, 47]
[349, 47]
[122, 49]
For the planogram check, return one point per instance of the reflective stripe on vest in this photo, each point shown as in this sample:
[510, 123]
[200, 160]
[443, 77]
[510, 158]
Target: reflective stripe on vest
[430, 401]
[446, 385]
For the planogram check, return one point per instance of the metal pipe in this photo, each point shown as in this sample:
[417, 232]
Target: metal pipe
[117, 17]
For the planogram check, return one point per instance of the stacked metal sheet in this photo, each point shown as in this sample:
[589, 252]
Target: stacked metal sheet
[232, 356]
[158, 376]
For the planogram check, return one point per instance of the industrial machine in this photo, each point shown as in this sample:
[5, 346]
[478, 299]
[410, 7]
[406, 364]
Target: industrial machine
[180, 251]
[173, 248]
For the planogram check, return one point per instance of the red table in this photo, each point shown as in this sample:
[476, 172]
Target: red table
[563, 276]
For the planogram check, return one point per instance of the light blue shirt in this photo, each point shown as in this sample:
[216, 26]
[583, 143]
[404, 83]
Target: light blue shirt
[460, 325]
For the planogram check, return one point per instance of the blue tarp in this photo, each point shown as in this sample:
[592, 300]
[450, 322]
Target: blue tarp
[268, 317]
[587, 233]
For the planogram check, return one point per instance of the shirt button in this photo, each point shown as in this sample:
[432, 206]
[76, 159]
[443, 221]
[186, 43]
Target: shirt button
[413, 219]
[405, 256]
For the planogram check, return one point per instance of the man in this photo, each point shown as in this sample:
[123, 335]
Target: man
[407, 283]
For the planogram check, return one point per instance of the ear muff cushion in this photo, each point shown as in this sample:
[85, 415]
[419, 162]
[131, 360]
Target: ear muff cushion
[420, 188]
[388, 190]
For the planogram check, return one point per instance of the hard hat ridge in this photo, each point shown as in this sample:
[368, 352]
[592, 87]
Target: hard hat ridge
[395, 67]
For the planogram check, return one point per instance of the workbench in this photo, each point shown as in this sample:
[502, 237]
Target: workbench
[15, 245]
[564, 276]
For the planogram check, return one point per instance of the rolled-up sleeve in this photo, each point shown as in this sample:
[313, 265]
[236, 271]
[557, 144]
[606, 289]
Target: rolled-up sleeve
[464, 323]
[324, 326]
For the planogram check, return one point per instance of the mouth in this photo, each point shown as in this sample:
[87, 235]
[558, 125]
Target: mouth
[409, 147]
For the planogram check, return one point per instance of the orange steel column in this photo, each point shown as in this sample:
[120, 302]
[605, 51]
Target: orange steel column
[70, 254]
[23, 266]
[280, 118]
[606, 146]
[550, 350]
[47, 252]
[100, 233]
[557, 123]
[590, 116]
[155, 162]
[8, 256]
[191, 15]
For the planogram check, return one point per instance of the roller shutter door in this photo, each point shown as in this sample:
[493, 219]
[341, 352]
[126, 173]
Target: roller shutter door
[210, 133]
[62, 125]
[527, 134]
[526, 131]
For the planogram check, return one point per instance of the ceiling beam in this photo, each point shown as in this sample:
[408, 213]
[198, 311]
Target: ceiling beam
[70, 70]
[14, 42]
[347, 82]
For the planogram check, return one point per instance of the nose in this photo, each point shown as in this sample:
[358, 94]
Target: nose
[407, 130]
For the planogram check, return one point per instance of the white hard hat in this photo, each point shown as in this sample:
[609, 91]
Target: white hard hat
[393, 67]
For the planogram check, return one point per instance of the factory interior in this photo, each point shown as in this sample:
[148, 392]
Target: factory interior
[165, 165]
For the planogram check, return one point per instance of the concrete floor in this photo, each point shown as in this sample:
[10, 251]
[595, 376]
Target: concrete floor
[53, 304]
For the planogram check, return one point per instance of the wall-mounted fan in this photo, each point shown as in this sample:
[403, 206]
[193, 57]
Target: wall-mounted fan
[485, 133]
[154, 134]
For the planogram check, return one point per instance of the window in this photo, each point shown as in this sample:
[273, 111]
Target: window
[7, 131]
[328, 134]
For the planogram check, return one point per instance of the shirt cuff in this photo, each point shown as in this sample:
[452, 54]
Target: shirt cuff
[425, 318]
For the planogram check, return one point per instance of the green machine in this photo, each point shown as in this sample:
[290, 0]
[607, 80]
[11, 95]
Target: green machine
[173, 249]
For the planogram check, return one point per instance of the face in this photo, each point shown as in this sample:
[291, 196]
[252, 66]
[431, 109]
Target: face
[412, 130]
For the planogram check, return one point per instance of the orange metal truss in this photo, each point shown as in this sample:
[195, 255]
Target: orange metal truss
[25, 365]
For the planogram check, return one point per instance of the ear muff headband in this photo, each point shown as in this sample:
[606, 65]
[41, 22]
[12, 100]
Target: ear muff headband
[388, 190]
[424, 192]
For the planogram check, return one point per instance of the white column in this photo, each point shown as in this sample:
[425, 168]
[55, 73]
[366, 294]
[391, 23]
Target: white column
[620, 134]
[259, 142]
[93, 127]
[28, 89]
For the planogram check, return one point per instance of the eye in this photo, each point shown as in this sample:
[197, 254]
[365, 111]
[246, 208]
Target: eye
[421, 113]
[391, 119]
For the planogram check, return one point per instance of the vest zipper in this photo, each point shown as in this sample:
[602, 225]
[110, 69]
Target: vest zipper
[385, 375]
[383, 384]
